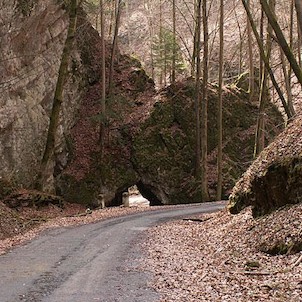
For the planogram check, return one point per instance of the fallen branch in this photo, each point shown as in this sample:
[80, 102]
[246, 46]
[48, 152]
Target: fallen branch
[34, 220]
[197, 219]
[259, 273]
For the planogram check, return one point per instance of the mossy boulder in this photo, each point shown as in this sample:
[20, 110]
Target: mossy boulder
[275, 178]
[163, 150]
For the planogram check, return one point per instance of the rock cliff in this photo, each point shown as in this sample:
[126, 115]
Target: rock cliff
[32, 38]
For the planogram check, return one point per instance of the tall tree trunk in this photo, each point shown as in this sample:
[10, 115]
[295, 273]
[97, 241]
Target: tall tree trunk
[299, 47]
[197, 91]
[195, 37]
[219, 119]
[58, 97]
[204, 107]
[114, 47]
[151, 37]
[161, 41]
[103, 97]
[263, 95]
[288, 76]
[251, 58]
[265, 60]
[281, 40]
[287, 84]
[174, 42]
[298, 5]
[112, 18]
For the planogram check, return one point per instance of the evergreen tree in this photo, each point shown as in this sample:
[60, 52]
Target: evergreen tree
[166, 50]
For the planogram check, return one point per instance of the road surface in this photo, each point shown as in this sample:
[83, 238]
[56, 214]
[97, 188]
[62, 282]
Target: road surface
[86, 263]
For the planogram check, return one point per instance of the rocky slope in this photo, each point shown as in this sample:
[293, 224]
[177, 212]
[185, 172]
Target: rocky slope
[275, 178]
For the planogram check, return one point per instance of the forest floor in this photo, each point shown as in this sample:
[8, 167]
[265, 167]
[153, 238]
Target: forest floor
[209, 257]
[224, 257]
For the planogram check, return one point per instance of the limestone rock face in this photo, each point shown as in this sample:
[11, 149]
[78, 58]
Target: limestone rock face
[275, 178]
[32, 38]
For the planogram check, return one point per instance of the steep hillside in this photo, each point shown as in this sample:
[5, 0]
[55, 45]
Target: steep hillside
[275, 178]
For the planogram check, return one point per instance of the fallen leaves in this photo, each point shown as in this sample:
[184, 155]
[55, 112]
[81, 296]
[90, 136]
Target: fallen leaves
[219, 259]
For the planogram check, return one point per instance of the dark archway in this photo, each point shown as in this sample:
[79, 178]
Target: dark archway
[146, 192]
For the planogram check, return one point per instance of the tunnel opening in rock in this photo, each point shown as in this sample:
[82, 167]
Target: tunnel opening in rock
[139, 194]
[147, 192]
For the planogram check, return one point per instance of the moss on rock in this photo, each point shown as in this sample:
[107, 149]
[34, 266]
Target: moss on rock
[163, 151]
[275, 178]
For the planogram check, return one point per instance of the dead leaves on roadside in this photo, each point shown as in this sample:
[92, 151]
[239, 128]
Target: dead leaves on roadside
[219, 258]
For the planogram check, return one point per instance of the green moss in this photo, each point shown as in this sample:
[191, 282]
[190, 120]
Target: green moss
[164, 148]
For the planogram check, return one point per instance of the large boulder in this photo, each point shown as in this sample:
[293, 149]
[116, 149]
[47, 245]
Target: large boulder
[275, 178]
[163, 150]
[151, 141]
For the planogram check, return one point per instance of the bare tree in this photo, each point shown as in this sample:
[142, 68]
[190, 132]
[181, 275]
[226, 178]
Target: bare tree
[265, 60]
[298, 5]
[174, 42]
[204, 107]
[281, 40]
[103, 78]
[114, 46]
[219, 119]
[251, 59]
[197, 43]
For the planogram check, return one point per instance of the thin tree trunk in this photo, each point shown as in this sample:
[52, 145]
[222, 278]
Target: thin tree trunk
[103, 98]
[112, 18]
[195, 48]
[298, 5]
[151, 36]
[281, 40]
[204, 108]
[58, 98]
[219, 122]
[299, 47]
[288, 76]
[197, 91]
[174, 42]
[287, 84]
[266, 61]
[161, 42]
[263, 95]
[251, 59]
[114, 47]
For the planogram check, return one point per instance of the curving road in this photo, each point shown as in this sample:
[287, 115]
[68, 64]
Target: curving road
[86, 263]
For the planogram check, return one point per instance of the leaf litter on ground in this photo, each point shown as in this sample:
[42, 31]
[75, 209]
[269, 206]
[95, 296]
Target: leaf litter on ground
[220, 257]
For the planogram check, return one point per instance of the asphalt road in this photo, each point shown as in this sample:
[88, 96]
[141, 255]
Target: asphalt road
[86, 263]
